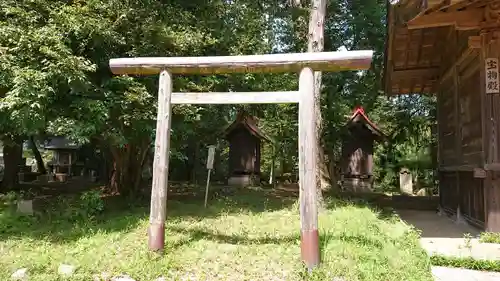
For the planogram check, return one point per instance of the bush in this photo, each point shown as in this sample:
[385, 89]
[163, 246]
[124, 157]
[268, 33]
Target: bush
[91, 203]
[69, 208]
[9, 198]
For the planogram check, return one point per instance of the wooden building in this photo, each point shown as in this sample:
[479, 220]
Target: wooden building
[357, 152]
[450, 48]
[64, 161]
[244, 137]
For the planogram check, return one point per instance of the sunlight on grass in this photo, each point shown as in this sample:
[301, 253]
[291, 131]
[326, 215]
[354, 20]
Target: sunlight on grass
[490, 237]
[249, 236]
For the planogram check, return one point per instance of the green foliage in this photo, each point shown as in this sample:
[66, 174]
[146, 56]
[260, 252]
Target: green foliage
[490, 237]
[9, 198]
[467, 263]
[408, 121]
[86, 207]
[13, 197]
[55, 80]
[251, 235]
[91, 202]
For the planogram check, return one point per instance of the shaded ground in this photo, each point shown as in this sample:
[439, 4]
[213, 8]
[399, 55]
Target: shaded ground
[249, 235]
[433, 225]
[52, 189]
[443, 236]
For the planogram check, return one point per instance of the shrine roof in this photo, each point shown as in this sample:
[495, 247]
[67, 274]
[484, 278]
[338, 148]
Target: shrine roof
[417, 32]
[359, 115]
[250, 123]
[60, 143]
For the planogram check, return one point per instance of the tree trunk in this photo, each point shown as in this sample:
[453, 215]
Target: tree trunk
[128, 162]
[316, 44]
[38, 157]
[12, 154]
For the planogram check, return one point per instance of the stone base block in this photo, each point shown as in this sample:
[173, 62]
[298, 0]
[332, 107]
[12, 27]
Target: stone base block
[61, 177]
[44, 178]
[357, 185]
[243, 180]
[25, 207]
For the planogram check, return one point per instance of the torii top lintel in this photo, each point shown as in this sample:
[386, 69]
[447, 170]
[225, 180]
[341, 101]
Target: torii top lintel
[292, 62]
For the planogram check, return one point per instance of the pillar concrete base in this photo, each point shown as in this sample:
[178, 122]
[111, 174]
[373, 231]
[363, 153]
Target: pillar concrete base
[243, 180]
[357, 185]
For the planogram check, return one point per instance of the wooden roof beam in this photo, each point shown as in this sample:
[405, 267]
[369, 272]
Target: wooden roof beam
[474, 42]
[460, 59]
[438, 6]
[457, 4]
[482, 3]
[416, 73]
[462, 20]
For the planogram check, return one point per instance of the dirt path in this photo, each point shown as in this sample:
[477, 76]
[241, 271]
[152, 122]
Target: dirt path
[443, 236]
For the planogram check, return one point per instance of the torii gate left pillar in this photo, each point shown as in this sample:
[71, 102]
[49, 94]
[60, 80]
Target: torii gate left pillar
[304, 63]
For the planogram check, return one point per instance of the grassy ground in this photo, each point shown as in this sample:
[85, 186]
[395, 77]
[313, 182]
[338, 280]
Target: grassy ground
[249, 236]
[490, 237]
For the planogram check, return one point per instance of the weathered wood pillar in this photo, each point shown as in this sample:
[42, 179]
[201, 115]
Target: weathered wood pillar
[458, 127]
[158, 212]
[307, 170]
[490, 48]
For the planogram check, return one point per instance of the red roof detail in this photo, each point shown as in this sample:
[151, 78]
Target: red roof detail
[358, 113]
[359, 109]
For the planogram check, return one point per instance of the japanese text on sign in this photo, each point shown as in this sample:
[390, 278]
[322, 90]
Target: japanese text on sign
[492, 79]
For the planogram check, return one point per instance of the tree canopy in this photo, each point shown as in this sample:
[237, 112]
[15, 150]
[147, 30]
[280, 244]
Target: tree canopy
[55, 80]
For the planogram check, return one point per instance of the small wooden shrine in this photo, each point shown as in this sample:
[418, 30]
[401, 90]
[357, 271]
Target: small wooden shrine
[357, 152]
[244, 137]
[64, 155]
[451, 49]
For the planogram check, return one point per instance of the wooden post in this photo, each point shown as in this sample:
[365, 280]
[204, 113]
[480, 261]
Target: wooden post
[206, 188]
[273, 163]
[158, 210]
[307, 170]
[490, 42]
[210, 166]
[69, 167]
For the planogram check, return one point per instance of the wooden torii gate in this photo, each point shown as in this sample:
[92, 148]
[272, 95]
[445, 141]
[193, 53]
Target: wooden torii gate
[305, 63]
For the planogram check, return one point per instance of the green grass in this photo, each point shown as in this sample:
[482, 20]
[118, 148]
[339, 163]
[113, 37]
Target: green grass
[467, 263]
[490, 237]
[249, 236]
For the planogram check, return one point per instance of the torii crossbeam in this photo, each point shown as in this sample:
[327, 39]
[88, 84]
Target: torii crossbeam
[305, 63]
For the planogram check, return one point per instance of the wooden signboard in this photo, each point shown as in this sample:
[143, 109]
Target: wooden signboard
[210, 166]
[211, 155]
[492, 79]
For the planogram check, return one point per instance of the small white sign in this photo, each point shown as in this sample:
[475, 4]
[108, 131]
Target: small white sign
[492, 79]
[211, 155]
